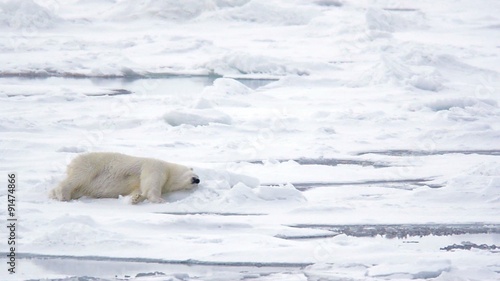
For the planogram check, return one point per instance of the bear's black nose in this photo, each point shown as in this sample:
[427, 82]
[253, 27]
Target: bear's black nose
[195, 180]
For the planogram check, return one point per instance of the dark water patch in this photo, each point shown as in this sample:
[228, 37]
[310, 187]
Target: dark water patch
[147, 274]
[123, 84]
[189, 262]
[130, 75]
[401, 9]
[306, 237]
[493, 26]
[119, 92]
[329, 3]
[113, 92]
[405, 230]
[336, 162]
[96, 268]
[212, 214]
[74, 278]
[255, 83]
[22, 95]
[340, 62]
[331, 162]
[404, 152]
[407, 184]
[469, 246]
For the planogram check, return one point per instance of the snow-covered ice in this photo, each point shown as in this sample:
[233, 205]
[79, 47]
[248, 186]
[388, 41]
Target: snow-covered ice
[312, 124]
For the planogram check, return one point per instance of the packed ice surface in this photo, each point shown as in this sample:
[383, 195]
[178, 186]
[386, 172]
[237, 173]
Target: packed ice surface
[364, 113]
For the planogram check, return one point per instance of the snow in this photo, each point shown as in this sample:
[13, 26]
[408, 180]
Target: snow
[300, 117]
[196, 117]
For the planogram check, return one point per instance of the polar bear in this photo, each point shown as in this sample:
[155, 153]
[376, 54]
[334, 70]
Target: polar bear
[108, 175]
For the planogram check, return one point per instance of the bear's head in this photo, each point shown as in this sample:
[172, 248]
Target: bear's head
[182, 177]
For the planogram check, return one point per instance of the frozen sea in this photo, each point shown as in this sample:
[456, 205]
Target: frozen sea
[334, 139]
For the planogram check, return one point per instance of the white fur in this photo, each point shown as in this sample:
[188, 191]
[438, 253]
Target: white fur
[109, 175]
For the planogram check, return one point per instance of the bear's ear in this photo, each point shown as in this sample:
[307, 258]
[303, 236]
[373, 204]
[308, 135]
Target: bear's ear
[191, 169]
